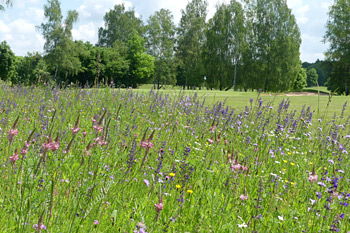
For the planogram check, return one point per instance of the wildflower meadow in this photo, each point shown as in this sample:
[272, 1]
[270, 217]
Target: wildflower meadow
[113, 160]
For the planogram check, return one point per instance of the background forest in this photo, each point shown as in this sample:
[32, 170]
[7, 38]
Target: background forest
[244, 46]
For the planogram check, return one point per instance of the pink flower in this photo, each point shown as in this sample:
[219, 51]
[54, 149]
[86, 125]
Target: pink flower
[24, 151]
[47, 146]
[75, 130]
[210, 141]
[147, 144]
[243, 197]
[54, 146]
[12, 134]
[14, 157]
[313, 178]
[96, 222]
[84, 133]
[27, 144]
[98, 128]
[212, 128]
[236, 166]
[159, 206]
[100, 141]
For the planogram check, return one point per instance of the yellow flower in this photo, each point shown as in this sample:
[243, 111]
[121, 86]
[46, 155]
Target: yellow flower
[172, 174]
[292, 183]
[178, 186]
[310, 163]
[286, 161]
[190, 191]
[289, 153]
[283, 169]
[292, 164]
[286, 181]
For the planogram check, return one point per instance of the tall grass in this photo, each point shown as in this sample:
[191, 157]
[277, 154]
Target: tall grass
[109, 160]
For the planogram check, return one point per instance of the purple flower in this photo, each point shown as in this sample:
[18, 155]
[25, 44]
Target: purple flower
[342, 216]
[146, 182]
[42, 226]
[319, 195]
[96, 222]
[321, 184]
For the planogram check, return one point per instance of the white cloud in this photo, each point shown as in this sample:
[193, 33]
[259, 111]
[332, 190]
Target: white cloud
[86, 32]
[95, 10]
[24, 3]
[301, 20]
[294, 3]
[4, 28]
[302, 10]
[35, 14]
[326, 4]
[22, 26]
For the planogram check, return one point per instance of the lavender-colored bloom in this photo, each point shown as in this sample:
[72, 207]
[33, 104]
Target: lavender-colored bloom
[146, 182]
[42, 226]
[321, 184]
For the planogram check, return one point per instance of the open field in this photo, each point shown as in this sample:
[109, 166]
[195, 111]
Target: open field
[238, 100]
[109, 160]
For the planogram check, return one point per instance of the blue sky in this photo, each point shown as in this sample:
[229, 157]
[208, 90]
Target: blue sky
[17, 24]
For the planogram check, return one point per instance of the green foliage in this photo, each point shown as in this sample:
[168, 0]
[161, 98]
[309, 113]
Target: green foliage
[322, 68]
[312, 77]
[61, 54]
[141, 64]
[42, 73]
[274, 42]
[301, 80]
[7, 62]
[119, 26]
[224, 45]
[337, 34]
[26, 68]
[191, 38]
[160, 44]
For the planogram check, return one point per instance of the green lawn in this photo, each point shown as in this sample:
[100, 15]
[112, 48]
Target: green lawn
[239, 100]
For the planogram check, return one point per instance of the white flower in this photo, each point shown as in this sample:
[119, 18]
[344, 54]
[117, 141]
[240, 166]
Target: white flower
[242, 225]
[280, 218]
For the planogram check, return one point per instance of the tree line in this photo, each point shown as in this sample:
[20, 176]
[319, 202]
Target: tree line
[250, 45]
